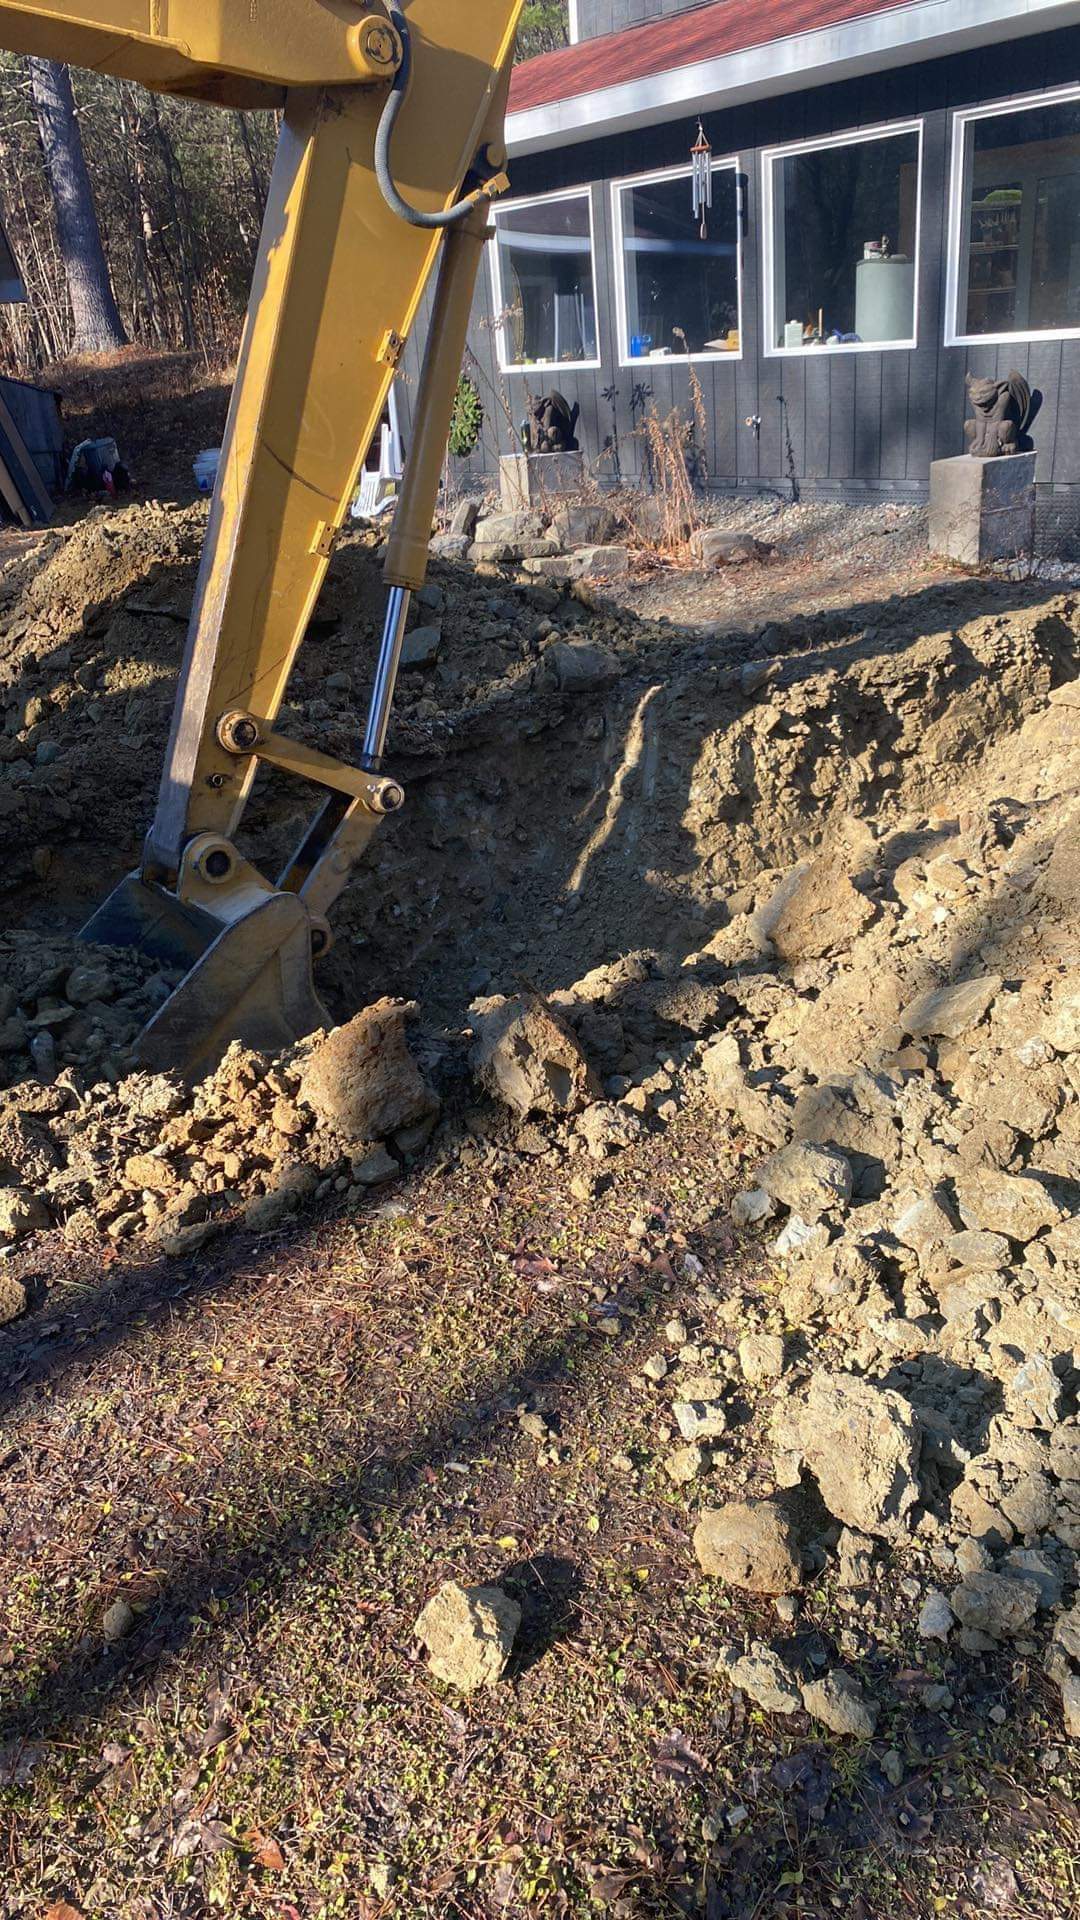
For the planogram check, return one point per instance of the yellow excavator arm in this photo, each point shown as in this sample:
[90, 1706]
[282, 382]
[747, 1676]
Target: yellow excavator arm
[391, 148]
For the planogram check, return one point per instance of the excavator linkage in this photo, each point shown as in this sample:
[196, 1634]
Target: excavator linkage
[391, 149]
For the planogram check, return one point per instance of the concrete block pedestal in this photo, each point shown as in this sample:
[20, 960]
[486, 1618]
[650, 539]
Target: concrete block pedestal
[983, 509]
[529, 480]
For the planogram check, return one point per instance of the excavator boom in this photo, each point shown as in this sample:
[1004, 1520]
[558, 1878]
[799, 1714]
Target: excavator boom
[390, 150]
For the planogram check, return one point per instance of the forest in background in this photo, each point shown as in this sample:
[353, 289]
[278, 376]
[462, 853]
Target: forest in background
[179, 191]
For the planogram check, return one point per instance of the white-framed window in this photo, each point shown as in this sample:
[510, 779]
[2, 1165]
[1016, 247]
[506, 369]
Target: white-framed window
[840, 232]
[1014, 221]
[678, 293]
[544, 283]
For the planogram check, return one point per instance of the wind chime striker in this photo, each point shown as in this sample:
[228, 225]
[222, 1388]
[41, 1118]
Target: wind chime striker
[701, 176]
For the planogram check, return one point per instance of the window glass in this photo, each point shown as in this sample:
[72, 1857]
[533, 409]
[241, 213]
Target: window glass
[682, 289]
[844, 227]
[1020, 265]
[546, 282]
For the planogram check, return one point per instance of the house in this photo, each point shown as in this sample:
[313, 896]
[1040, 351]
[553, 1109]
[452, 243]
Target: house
[895, 202]
[32, 424]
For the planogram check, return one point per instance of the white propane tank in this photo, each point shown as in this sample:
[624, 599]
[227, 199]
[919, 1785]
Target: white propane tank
[885, 298]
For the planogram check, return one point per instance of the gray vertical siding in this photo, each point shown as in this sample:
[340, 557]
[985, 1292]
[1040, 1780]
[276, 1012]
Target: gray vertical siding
[858, 423]
[609, 16]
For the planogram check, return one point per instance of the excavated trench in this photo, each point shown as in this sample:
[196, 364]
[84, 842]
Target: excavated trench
[583, 783]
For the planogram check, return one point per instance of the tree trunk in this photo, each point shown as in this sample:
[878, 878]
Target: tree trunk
[98, 327]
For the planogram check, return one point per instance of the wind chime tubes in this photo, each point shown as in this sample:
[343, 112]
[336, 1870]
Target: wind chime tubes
[701, 177]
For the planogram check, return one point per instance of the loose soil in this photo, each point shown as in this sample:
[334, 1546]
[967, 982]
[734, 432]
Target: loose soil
[769, 809]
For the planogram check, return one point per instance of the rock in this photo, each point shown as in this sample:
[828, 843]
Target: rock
[599, 563]
[755, 674]
[984, 1252]
[578, 666]
[807, 1178]
[797, 1236]
[684, 1464]
[1034, 1395]
[14, 1298]
[84, 984]
[971, 1513]
[761, 1357]
[862, 1443]
[936, 1618]
[698, 1409]
[21, 1213]
[822, 913]
[762, 1676]
[713, 547]
[117, 1621]
[527, 1056]
[464, 518]
[469, 1633]
[1014, 1204]
[952, 1010]
[750, 1544]
[656, 1367]
[583, 523]
[998, 1604]
[1070, 1704]
[1062, 1028]
[748, 1209]
[361, 1080]
[923, 1223]
[608, 1129]
[504, 534]
[450, 546]
[420, 648]
[374, 1169]
[721, 1062]
[854, 1558]
[1032, 1565]
[295, 1183]
[841, 1704]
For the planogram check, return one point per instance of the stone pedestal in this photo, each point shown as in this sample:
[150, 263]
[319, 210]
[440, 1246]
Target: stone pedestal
[533, 479]
[983, 509]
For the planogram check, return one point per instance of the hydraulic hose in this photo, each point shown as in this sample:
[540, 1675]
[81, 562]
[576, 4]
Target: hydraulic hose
[383, 171]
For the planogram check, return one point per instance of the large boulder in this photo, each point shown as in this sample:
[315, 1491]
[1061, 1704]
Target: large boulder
[751, 1544]
[862, 1443]
[361, 1080]
[527, 1056]
[469, 1634]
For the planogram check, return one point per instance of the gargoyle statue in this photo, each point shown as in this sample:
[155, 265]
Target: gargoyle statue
[1002, 412]
[549, 425]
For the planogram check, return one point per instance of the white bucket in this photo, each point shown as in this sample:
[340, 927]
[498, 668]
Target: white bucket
[206, 469]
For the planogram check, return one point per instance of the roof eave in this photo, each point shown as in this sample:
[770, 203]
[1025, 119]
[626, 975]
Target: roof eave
[924, 30]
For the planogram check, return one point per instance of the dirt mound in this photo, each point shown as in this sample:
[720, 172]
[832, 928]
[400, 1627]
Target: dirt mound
[585, 785]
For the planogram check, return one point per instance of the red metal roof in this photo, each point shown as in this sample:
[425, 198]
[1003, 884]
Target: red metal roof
[656, 46]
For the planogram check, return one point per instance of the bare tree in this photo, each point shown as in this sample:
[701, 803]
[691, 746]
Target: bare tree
[98, 327]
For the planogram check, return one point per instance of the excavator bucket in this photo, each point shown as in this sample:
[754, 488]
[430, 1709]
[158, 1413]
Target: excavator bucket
[251, 981]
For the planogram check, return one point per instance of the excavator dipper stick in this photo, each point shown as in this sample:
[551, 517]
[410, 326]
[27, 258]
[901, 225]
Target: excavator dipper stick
[345, 256]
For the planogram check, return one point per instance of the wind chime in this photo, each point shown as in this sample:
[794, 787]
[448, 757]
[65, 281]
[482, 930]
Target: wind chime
[701, 178]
